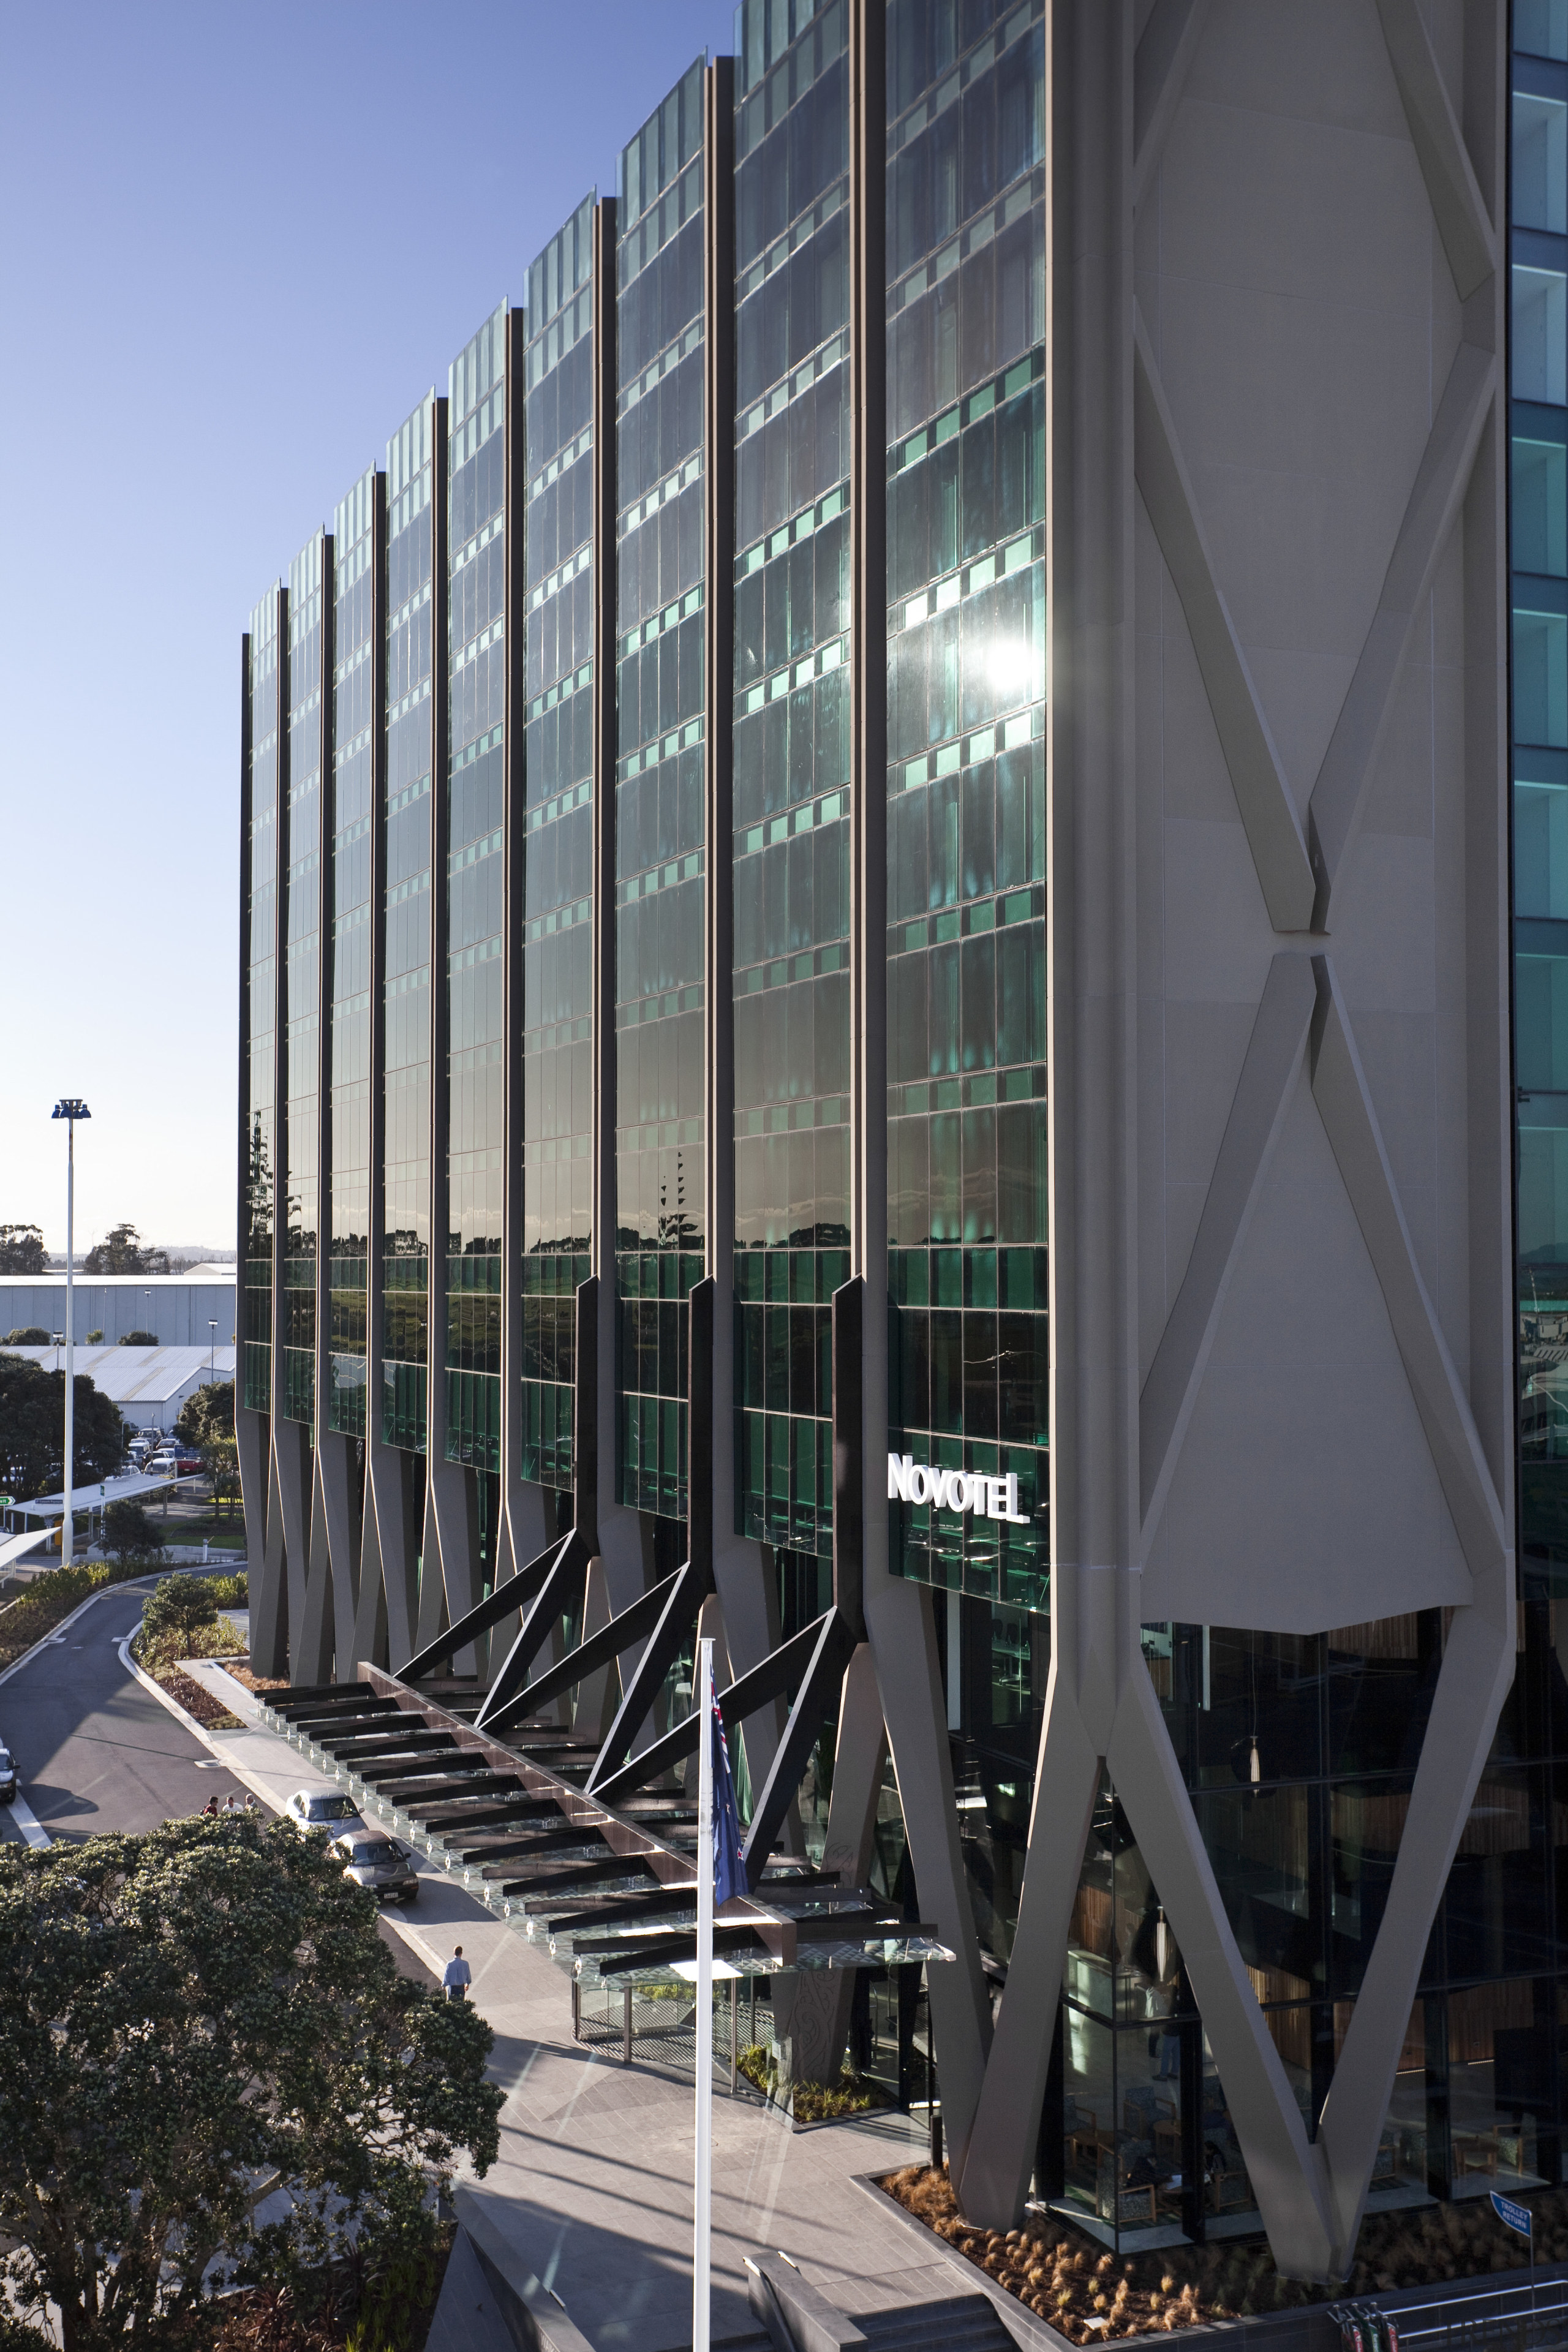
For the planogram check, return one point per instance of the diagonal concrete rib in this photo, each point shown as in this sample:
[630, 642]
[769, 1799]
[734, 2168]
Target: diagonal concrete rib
[1288, 2173]
[1262, 795]
[1477, 1671]
[1452, 187]
[1340, 1090]
[1257, 1114]
[1160, 68]
[1435, 500]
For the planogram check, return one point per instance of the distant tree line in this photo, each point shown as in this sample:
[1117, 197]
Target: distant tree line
[121, 1252]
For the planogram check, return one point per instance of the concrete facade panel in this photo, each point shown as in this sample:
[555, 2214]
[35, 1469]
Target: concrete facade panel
[1305, 1490]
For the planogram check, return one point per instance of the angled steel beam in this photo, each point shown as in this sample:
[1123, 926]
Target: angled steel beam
[767, 1681]
[502, 1603]
[565, 1573]
[834, 1648]
[598, 1650]
[1256, 773]
[683, 1595]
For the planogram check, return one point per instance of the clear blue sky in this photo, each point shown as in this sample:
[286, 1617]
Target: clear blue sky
[237, 246]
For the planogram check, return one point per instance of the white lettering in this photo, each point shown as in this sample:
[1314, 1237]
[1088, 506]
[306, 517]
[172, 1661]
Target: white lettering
[954, 1493]
[900, 1467]
[910, 1481]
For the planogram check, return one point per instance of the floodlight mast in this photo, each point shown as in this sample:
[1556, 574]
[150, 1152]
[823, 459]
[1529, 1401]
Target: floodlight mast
[69, 1107]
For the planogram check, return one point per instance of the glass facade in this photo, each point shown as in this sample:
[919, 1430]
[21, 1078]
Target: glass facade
[415, 462]
[259, 1060]
[477, 552]
[792, 757]
[966, 789]
[1539, 471]
[299, 1155]
[661, 919]
[558, 845]
[355, 726]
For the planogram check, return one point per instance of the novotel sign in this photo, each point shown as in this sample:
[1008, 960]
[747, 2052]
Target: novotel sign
[910, 1481]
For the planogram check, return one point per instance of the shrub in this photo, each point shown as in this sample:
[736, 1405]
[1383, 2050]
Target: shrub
[28, 1334]
[138, 1339]
[179, 1605]
[229, 1591]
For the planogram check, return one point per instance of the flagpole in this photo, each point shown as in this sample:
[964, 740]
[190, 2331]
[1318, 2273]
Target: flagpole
[703, 2199]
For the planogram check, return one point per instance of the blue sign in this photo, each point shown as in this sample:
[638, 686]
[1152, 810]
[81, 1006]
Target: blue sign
[1511, 2216]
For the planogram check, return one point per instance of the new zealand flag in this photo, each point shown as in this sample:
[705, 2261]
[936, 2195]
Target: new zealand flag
[729, 1876]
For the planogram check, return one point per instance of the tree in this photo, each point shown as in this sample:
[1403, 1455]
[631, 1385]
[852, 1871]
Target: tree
[32, 1429]
[184, 2014]
[207, 1415]
[123, 1253]
[138, 1339]
[178, 1604]
[22, 1250]
[221, 1455]
[28, 1334]
[128, 1533]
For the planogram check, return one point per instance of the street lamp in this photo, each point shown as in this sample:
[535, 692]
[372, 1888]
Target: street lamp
[70, 1109]
[212, 1351]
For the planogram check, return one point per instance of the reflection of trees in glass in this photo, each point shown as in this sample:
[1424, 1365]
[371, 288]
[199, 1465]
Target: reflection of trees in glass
[258, 1192]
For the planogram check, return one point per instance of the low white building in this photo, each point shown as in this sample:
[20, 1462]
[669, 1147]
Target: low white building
[179, 1309]
[148, 1384]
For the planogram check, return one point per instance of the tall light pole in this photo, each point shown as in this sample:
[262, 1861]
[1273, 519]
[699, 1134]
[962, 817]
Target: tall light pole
[70, 1109]
[212, 1352]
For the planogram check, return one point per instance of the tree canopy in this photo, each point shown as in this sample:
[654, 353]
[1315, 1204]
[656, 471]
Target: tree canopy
[121, 1252]
[137, 1339]
[183, 2017]
[22, 1250]
[27, 1335]
[32, 1429]
[206, 1417]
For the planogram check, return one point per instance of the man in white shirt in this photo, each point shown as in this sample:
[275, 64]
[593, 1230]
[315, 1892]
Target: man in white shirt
[458, 1976]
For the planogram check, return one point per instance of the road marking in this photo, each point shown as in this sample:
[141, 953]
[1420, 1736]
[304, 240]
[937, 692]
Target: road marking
[27, 1822]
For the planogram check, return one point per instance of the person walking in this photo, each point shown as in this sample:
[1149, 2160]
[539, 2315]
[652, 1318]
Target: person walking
[458, 1976]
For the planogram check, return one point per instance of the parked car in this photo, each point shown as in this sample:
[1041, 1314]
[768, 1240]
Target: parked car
[324, 1809]
[380, 1863]
[8, 1780]
[173, 1463]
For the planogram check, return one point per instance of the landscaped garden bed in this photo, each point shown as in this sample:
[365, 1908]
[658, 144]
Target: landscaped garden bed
[1088, 2294]
[813, 2102]
[181, 1622]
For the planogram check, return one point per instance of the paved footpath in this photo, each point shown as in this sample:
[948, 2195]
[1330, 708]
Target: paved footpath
[592, 2192]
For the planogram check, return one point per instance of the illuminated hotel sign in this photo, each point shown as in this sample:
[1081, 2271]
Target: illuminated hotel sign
[910, 1481]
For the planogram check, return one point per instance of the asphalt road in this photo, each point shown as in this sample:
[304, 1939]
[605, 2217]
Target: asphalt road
[94, 1750]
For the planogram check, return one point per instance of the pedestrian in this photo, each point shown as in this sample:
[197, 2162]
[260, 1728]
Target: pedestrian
[210, 1807]
[458, 1976]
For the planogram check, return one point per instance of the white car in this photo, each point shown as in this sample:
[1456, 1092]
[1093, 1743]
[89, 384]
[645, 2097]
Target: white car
[323, 1808]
